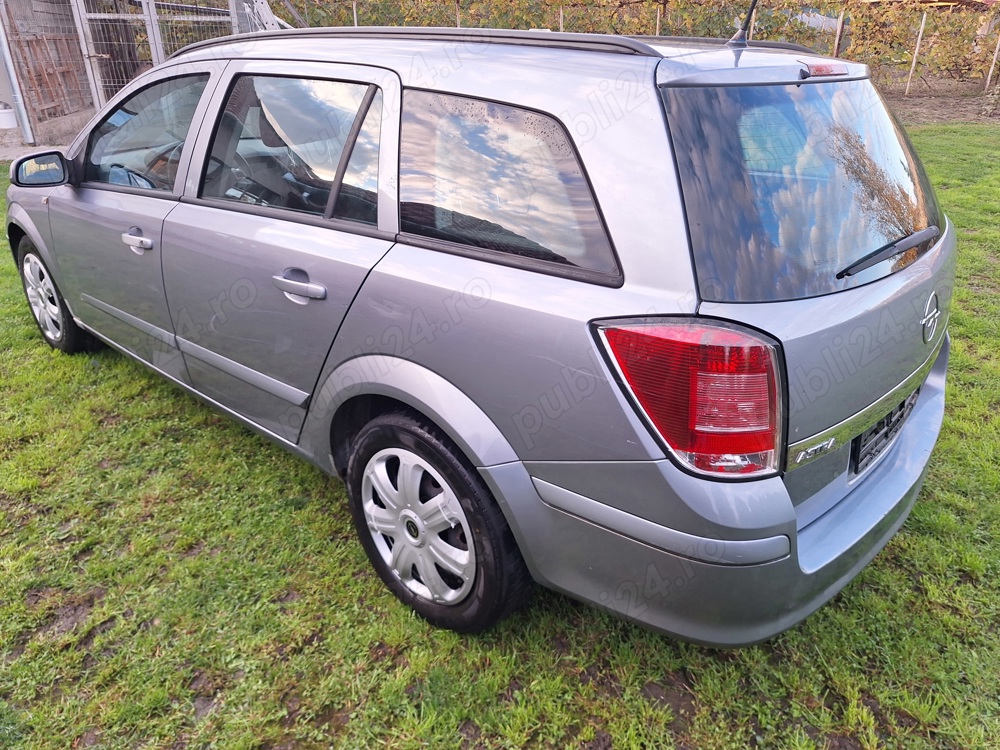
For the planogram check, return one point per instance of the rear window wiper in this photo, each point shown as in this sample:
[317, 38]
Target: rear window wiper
[893, 248]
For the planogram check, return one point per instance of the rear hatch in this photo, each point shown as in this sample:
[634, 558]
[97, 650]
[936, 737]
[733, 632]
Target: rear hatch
[811, 219]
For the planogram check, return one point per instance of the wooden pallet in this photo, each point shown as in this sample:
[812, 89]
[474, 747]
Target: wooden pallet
[51, 71]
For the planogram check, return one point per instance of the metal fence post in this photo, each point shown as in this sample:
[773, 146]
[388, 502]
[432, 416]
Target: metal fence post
[355, 4]
[94, 77]
[234, 17]
[27, 136]
[152, 18]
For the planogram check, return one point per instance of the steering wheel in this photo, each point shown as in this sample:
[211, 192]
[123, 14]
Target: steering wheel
[221, 175]
[161, 170]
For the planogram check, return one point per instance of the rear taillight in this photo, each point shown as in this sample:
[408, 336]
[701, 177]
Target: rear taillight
[709, 390]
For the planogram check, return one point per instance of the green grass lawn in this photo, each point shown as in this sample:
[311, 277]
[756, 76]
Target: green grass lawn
[169, 580]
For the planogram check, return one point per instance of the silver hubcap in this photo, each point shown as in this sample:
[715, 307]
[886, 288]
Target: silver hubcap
[42, 297]
[418, 526]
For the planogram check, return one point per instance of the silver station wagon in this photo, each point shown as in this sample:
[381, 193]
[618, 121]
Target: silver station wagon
[657, 323]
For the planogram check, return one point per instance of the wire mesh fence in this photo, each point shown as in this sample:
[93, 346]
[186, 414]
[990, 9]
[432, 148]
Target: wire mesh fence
[117, 41]
[181, 23]
[125, 37]
[72, 55]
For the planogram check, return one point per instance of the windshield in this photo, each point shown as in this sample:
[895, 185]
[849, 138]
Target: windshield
[786, 185]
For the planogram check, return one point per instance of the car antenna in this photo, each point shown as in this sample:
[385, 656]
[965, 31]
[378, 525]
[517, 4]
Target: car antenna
[739, 39]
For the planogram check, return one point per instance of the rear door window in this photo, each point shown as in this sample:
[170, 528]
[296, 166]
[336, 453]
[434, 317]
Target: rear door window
[305, 145]
[785, 186]
[480, 175]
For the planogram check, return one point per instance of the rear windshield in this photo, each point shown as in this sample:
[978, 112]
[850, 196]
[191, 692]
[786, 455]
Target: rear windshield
[785, 186]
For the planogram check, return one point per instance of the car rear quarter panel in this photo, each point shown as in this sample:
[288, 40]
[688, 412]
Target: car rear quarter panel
[517, 343]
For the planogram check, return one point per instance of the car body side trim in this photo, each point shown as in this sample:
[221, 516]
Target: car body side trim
[148, 328]
[191, 391]
[809, 449]
[248, 375]
[717, 551]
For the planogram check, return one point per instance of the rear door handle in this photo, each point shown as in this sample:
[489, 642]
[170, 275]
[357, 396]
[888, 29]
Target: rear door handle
[134, 239]
[298, 288]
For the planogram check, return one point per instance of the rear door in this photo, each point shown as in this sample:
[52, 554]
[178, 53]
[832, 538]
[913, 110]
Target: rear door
[293, 205]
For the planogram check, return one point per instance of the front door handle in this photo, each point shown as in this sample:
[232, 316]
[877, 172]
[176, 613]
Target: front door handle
[300, 287]
[134, 239]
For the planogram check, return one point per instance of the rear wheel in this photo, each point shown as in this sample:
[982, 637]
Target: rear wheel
[47, 304]
[430, 527]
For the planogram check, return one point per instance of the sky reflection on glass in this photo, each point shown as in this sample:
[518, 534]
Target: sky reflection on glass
[786, 185]
[362, 169]
[497, 177]
[313, 117]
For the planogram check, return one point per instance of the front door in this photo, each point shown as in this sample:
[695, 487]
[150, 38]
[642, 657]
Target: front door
[107, 229]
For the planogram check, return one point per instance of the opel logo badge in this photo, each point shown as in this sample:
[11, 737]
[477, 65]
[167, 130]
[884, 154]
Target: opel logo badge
[932, 313]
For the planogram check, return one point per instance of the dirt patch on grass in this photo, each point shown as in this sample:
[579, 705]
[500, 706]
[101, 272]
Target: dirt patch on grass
[206, 687]
[39, 596]
[842, 742]
[90, 738]
[110, 420]
[379, 651]
[334, 719]
[203, 706]
[513, 688]
[602, 741]
[675, 693]
[293, 704]
[470, 733]
[286, 651]
[600, 676]
[72, 613]
[88, 640]
[933, 102]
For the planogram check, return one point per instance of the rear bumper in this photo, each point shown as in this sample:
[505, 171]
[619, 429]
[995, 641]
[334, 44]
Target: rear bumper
[755, 566]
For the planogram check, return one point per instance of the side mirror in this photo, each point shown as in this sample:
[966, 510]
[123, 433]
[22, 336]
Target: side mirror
[40, 170]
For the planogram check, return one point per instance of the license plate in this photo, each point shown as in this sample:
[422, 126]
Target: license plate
[871, 443]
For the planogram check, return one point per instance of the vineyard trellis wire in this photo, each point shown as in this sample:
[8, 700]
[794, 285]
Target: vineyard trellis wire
[959, 40]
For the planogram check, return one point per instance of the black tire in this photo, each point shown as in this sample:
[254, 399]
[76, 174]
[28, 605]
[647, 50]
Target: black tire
[443, 513]
[47, 304]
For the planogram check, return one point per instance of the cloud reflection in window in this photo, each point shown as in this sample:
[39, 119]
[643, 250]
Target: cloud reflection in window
[786, 185]
[497, 177]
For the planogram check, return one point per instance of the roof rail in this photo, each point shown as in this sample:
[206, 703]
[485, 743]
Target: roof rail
[763, 43]
[543, 38]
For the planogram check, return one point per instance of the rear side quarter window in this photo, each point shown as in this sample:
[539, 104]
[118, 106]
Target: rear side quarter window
[483, 176]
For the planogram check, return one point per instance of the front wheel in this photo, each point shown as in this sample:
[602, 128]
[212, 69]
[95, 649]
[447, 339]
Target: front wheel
[430, 527]
[47, 304]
